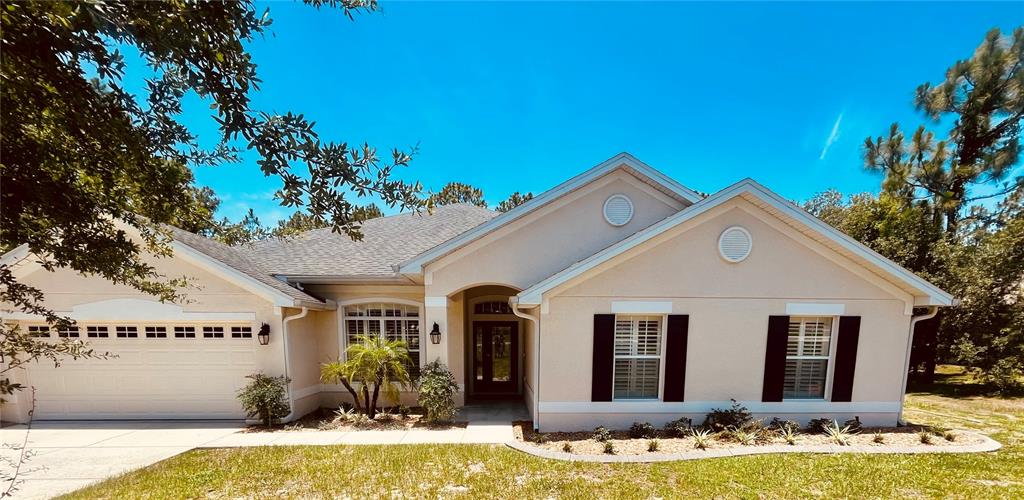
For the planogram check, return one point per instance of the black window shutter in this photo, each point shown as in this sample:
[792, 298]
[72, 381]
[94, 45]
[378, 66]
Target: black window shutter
[675, 356]
[846, 358]
[775, 358]
[604, 357]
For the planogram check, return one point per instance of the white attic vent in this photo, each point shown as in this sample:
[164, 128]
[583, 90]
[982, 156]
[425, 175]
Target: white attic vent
[734, 244]
[618, 210]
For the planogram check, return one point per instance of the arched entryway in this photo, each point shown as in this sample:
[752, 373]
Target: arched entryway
[494, 357]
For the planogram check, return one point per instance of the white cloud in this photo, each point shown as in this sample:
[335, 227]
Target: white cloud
[831, 137]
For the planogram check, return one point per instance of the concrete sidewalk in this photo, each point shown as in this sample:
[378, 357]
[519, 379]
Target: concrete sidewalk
[66, 456]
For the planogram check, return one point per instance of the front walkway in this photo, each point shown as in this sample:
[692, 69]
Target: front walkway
[66, 456]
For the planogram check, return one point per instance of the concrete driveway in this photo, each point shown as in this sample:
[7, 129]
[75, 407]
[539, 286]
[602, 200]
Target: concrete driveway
[65, 456]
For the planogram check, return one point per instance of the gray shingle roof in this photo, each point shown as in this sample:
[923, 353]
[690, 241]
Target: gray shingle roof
[235, 258]
[387, 241]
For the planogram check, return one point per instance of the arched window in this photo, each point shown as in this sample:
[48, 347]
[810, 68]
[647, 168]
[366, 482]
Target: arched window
[393, 321]
[492, 307]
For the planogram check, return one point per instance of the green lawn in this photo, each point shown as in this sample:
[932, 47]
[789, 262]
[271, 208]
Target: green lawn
[496, 471]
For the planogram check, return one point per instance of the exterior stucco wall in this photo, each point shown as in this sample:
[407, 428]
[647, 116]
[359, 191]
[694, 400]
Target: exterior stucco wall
[540, 244]
[728, 307]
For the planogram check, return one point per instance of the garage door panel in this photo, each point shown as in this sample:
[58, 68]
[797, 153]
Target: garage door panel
[148, 379]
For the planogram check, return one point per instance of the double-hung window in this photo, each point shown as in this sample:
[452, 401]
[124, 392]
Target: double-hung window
[807, 356]
[637, 357]
[393, 321]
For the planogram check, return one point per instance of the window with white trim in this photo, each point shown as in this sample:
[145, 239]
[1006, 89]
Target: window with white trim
[184, 332]
[637, 357]
[394, 321]
[127, 332]
[241, 332]
[156, 332]
[213, 332]
[71, 331]
[39, 331]
[807, 357]
[94, 332]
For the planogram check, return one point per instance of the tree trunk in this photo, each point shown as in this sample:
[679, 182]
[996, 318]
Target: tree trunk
[352, 391]
[366, 399]
[376, 393]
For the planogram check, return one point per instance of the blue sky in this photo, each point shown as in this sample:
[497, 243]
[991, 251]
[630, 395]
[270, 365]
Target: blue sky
[521, 96]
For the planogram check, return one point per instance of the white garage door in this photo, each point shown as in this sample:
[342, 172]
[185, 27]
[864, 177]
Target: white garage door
[165, 371]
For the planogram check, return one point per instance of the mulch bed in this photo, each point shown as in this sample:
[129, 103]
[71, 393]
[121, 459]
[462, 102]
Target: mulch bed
[326, 419]
[583, 443]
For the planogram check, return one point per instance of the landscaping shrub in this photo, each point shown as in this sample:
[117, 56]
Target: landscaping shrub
[437, 389]
[701, 438]
[841, 435]
[925, 437]
[265, 398]
[783, 425]
[818, 425]
[652, 445]
[602, 434]
[854, 424]
[735, 417]
[641, 430]
[878, 438]
[609, 448]
[679, 427]
[788, 433]
[567, 447]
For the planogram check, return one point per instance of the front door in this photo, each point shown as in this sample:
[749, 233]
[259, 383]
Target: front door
[495, 359]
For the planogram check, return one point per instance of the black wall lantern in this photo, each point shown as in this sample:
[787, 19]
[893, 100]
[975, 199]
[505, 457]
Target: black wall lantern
[264, 335]
[435, 335]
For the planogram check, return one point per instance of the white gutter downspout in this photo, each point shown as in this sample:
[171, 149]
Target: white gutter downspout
[513, 301]
[932, 311]
[284, 337]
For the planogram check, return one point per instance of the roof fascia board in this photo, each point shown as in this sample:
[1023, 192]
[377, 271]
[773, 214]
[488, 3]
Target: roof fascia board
[415, 264]
[232, 275]
[534, 294]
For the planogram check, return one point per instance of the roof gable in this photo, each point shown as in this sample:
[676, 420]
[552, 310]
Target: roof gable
[925, 293]
[624, 161]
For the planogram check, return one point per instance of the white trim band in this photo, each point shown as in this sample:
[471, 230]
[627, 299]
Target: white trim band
[641, 307]
[707, 406]
[814, 309]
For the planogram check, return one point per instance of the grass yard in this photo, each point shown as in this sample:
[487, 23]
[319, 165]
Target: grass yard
[496, 471]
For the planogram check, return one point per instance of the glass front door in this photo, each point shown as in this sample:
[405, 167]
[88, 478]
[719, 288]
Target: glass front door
[495, 348]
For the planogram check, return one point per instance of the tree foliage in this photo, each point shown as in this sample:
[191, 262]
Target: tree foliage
[90, 169]
[457, 192]
[984, 95]
[514, 200]
[377, 365]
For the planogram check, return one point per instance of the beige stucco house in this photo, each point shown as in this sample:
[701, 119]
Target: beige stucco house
[619, 295]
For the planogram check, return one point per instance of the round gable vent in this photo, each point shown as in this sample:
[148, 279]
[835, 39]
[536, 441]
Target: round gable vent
[618, 210]
[734, 244]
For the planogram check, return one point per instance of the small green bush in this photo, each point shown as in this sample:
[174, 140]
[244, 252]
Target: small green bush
[701, 438]
[567, 447]
[840, 435]
[781, 425]
[641, 430]
[679, 427]
[735, 417]
[818, 425]
[609, 448]
[788, 433]
[265, 398]
[437, 390]
[925, 437]
[652, 445]
[601, 434]
[878, 438]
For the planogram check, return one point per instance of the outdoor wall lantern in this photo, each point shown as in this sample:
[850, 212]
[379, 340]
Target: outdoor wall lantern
[435, 335]
[264, 334]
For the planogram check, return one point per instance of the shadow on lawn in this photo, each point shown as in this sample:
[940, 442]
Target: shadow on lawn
[957, 382]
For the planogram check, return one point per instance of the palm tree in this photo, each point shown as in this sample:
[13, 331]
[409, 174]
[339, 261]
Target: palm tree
[377, 364]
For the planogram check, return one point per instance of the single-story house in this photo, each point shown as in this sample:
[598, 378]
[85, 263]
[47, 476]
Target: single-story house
[619, 295]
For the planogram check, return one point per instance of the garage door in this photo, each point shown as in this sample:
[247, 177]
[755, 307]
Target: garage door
[161, 371]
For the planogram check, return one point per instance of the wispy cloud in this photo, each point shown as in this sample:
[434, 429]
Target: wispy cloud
[831, 137]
